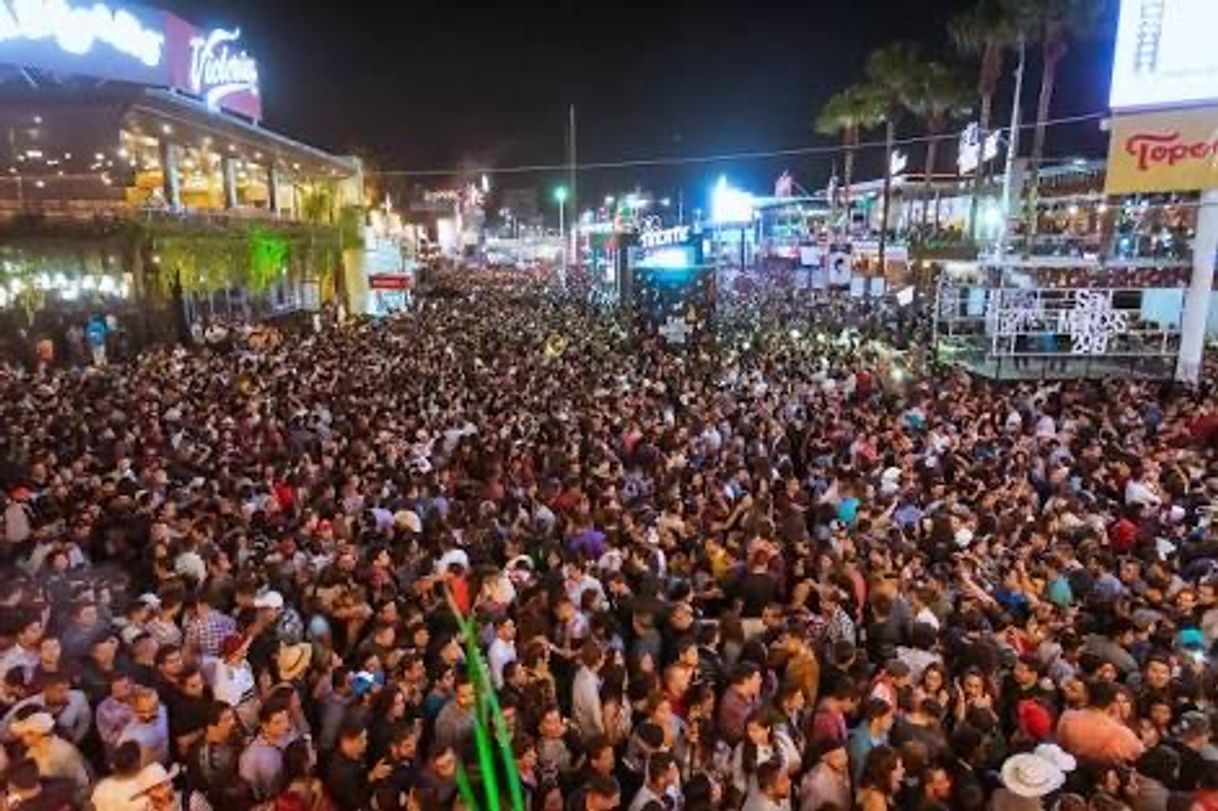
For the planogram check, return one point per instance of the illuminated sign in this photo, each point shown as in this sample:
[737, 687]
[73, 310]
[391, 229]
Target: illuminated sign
[970, 149]
[130, 44]
[214, 67]
[665, 236]
[98, 39]
[730, 205]
[77, 30]
[1165, 54]
[218, 70]
[1163, 151]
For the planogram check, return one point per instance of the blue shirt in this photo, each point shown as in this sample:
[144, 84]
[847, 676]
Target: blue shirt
[95, 331]
[860, 745]
[848, 510]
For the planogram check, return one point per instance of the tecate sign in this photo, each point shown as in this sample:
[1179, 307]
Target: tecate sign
[111, 42]
[218, 70]
[666, 236]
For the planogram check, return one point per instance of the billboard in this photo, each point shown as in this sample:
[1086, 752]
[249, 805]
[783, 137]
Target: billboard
[1174, 150]
[212, 66]
[1164, 54]
[123, 44]
[131, 44]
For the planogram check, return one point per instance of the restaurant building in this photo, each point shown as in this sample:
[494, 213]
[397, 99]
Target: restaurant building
[137, 182]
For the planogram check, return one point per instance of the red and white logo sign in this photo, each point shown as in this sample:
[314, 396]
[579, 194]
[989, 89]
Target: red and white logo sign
[213, 66]
[1153, 149]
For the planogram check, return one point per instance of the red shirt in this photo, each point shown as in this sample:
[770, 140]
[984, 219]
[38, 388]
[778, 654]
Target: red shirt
[460, 590]
[1123, 535]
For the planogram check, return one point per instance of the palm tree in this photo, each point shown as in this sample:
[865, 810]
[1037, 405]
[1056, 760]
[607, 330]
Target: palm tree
[847, 113]
[1054, 22]
[939, 95]
[986, 30]
[890, 73]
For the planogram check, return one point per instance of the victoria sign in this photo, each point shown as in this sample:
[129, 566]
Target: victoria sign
[214, 67]
[1176, 151]
[131, 44]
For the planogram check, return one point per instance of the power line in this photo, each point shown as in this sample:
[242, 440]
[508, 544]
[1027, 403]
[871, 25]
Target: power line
[676, 160]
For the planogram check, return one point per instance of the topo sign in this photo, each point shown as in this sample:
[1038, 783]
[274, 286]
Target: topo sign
[1163, 151]
[1169, 149]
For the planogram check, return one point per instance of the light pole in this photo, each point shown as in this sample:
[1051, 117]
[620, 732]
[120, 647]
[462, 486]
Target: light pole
[560, 196]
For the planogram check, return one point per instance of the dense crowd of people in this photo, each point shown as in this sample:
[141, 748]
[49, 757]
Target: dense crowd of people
[796, 569]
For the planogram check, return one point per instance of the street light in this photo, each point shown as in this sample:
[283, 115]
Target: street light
[560, 196]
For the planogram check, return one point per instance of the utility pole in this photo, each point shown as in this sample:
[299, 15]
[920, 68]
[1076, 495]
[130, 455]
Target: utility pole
[1012, 152]
[573, 256]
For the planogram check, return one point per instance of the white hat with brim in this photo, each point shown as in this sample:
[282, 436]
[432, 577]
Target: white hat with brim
[269, 599]
[42, 723]
[408, 520]
[1029, 775]
[1057, 756]
[151, 776]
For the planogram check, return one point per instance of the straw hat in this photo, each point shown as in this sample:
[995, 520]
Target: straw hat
[293, 660]
[1028, 775]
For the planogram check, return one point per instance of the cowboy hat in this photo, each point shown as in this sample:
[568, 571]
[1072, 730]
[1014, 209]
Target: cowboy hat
[41, 723]
[293, 660]
[1057, 756]
[1029, 775]
[151, 776]
[269, 599]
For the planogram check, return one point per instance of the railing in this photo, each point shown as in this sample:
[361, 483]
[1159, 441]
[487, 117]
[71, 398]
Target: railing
[85, 211]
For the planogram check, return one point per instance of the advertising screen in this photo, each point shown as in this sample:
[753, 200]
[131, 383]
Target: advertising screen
[1165, 54]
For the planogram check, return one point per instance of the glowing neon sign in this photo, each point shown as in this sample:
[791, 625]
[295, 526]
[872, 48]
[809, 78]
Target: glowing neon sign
[76, 30]
[665, 236]
[219, 70]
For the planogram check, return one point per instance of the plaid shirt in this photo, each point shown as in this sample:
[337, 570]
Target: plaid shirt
[208, 634]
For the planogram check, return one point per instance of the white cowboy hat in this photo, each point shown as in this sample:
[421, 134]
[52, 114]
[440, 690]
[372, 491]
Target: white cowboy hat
[42, 723]
[1029, 775]
[1057, 756]
[151, 776]
[269, 599]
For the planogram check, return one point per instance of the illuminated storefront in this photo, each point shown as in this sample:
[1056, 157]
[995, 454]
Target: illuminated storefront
[136, 180]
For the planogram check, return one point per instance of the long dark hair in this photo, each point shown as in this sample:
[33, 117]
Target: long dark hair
[749, 754]
[882, 761]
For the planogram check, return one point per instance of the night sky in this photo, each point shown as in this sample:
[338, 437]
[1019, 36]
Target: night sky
[424, 85]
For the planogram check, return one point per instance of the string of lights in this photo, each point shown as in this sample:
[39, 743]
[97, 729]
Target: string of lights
[677, 160]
